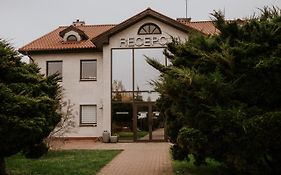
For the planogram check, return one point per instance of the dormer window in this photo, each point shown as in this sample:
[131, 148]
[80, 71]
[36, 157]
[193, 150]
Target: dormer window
[149, 29]
[73, 33]
[71, 38]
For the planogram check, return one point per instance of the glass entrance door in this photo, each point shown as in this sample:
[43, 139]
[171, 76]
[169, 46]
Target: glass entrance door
[158, 125]
[142, 132]
[134, 115]
[149, 125]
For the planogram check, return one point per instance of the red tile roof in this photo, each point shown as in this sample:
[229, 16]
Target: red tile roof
[94, 33]
[206, 27]
[53, 41]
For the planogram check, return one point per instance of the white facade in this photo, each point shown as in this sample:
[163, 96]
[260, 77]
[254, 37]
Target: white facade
[115, 42]
[78, 92]
[98, 92]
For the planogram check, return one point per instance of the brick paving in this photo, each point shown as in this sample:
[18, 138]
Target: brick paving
[141, 159]
[157, 134]
[149, 158]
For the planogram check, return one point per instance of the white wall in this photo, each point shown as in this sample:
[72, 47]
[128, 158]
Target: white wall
[96, 92]
[79, 92]
[114, 42]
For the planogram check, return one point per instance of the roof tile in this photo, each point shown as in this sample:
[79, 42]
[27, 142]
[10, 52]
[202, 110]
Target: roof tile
[53, 41]
[206, 27]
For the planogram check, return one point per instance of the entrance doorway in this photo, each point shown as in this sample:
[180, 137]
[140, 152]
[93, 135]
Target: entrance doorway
[135, 116]
[149, 125]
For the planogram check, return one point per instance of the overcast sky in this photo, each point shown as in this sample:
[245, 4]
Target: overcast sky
[22, 21]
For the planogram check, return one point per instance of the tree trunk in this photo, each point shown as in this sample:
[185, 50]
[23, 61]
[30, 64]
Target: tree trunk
[2, 166]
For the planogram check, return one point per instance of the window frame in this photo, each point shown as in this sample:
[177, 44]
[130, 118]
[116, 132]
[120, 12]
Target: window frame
[150, 33]
[94, 124]
[89, 79]
[53, 61]
[67, 39]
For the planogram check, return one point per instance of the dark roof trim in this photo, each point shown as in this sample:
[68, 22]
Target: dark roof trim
[58, 51]
[73, 28]
[104, 37]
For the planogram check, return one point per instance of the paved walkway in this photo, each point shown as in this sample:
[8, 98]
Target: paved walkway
[136, 159]
[157, 134]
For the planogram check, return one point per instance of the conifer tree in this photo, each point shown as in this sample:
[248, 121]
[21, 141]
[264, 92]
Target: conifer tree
[221, 94]
[29, 106]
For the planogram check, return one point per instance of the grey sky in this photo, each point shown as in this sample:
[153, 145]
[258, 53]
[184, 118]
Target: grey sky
[25, 20]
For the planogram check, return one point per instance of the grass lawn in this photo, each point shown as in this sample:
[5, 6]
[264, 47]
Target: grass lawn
[72, 162]
[188, 168]
[130, 135]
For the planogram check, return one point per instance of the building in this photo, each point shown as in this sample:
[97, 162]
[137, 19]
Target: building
[105, 75]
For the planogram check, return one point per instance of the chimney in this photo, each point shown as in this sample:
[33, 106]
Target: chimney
[184, 20]
[78, 23]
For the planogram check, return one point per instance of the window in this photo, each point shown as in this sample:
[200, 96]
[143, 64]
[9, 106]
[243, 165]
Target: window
[54, 67]
[88, 70]
[122, 71]
[71, 38]
[149, 28]
[143, 72]
[88, 115]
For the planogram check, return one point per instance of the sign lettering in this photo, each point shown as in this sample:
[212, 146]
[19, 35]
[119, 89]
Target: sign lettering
[143, 41]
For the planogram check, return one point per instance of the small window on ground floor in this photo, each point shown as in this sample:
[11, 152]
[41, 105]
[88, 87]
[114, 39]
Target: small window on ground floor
[88, 70]
[88, 115]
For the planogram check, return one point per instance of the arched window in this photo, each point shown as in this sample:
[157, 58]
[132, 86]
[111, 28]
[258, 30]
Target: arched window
[149, 28]
[71, 38]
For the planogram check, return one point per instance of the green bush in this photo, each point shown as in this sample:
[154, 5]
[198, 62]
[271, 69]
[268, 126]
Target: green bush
[30, 104]
[178, 153]
[221, 94]
[36, 151]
